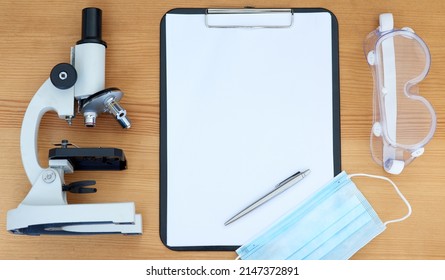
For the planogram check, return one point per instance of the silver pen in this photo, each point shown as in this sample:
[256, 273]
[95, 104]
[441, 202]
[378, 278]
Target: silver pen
[281, 187]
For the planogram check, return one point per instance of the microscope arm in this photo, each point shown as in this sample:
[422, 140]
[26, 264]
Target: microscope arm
[47, 98]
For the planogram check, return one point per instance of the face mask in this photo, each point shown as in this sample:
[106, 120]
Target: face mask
[333, 223]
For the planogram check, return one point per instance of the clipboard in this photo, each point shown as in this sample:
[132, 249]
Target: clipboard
[247, 98]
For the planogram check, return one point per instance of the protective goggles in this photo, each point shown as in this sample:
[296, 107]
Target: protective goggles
[404, 122]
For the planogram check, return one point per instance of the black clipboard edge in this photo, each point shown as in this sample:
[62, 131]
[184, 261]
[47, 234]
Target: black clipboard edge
[336, 119]
[163, 120]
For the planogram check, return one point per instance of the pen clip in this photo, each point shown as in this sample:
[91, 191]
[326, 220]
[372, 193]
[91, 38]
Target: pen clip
[285, 181]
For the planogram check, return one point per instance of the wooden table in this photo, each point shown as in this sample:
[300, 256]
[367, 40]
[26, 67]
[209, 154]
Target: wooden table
[34, 36]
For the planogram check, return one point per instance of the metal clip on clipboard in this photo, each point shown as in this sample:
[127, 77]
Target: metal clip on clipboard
[249, 18]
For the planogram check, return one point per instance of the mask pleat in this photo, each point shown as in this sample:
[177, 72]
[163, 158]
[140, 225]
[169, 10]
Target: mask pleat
[343, 234]
[320, 240]
[355, 241]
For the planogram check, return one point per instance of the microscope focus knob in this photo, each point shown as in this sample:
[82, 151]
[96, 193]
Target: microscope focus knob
[63, 76]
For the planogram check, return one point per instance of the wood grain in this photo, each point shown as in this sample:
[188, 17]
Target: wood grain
[37, 35]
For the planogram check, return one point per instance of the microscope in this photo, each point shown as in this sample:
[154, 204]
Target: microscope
[45, 210]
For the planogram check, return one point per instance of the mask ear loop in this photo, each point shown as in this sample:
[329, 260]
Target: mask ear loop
[397, 190]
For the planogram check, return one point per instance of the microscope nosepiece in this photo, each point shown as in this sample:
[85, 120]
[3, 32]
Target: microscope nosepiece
[104, 101]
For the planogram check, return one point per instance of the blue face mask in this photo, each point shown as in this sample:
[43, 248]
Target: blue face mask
[333, 224]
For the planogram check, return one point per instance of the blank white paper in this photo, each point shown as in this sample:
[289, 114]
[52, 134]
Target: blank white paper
[246, 108]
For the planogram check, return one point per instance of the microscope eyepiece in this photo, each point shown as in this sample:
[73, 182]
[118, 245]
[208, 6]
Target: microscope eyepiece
[92, 26]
